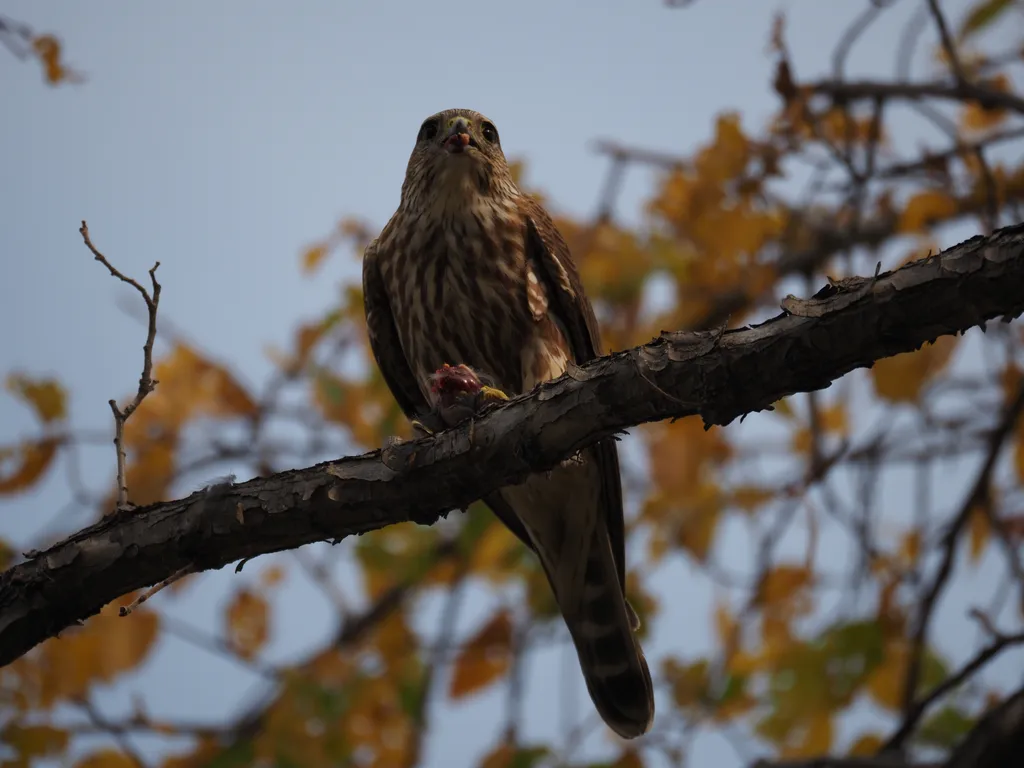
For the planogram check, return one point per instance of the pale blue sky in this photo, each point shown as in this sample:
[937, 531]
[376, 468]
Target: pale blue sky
[220, 138]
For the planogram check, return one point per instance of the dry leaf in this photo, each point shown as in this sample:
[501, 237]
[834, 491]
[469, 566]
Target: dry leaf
[925, 209]
[247, 623]
[46, 396]
[484, 659]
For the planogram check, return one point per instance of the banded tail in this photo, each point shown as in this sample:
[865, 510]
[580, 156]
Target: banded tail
[602, 625]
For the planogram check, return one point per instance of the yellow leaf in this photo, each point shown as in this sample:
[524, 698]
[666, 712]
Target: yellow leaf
[21, 467]
[312, 257]
[695, 532]
[981, 531]
[831, 421]
[816, 739]
[925, 209]
[106, 758]
[725, 626]
[46, 396]
[689, 681]
[750, 497]
[975, 117]
[484, 659]
[247, 623]
[494, 554]
[900, 379]
[866, 745]
[886, 681]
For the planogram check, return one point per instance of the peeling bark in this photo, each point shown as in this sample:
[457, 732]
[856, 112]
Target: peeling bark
[719, 375]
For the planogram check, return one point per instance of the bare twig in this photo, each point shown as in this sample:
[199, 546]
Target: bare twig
[999, 643]
[125, 610]
[146, 382]
[978, 495]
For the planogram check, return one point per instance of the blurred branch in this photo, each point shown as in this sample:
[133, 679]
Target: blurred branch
[977, 497]
[720, 375]
[988, 98]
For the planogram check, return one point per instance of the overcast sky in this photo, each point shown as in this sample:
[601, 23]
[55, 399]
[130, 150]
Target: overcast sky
[220, 138]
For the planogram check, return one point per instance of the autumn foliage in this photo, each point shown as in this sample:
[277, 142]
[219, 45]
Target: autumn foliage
[817, 528]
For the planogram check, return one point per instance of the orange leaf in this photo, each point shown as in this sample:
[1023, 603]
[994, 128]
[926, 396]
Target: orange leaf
[975, 117]
[272, 576]
[981, 531]
[867, 744]
[106, 758]
[484, 659]
[910, 548]
[107, 646]
[247, 623]
[628, 759]
[33, 459]
[32, 741]
[900, 379]
[46, 396]
[925, 209]
[47, 48]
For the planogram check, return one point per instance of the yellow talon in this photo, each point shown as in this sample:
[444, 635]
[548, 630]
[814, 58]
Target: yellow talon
[490, 393]
[418, 425]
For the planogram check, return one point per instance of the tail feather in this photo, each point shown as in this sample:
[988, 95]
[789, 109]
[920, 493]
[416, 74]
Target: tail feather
[602, 628]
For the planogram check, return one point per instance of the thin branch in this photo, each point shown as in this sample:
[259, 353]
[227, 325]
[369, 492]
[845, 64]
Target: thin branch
[146, 381]
[720, 375]
[947, 41]
[999, 643]
[119, 734]
[878, 89]
[978, 495]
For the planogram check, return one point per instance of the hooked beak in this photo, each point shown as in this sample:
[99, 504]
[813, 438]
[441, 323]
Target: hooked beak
[458, 138]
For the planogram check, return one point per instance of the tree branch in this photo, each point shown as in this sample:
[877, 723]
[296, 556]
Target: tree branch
[989, 98]
[719, 375]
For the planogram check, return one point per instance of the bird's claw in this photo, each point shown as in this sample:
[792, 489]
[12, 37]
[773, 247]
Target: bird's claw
[422, 429]
[492, 394]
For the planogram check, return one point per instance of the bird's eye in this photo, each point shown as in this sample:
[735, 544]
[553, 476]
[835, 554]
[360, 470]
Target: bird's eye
[428, 130]
[490, 133]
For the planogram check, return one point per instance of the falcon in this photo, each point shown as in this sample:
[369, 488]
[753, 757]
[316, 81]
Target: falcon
[470, 271]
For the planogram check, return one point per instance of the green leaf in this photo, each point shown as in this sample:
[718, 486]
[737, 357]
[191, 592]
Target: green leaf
[982, 15]
[527, 757]
[945, 728]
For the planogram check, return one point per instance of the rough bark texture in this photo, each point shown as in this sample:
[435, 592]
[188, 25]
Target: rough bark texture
[719, 375]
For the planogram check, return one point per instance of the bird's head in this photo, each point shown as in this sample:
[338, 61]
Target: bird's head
[457, 152]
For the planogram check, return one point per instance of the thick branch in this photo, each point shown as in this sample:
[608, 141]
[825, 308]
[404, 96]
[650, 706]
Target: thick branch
[718, 375]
